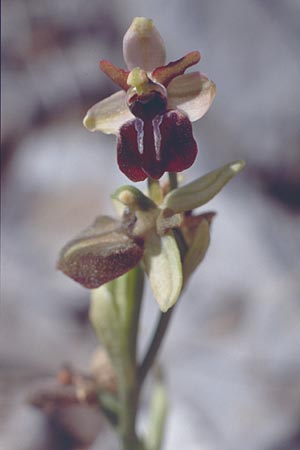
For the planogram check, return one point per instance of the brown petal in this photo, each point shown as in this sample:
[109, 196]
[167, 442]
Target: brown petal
[117, 75]
[165, 74]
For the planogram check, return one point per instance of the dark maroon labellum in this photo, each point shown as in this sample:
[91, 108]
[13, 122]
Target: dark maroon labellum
[148, 148]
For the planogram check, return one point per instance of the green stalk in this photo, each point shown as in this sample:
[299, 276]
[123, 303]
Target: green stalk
[155, 344]
[128, 386]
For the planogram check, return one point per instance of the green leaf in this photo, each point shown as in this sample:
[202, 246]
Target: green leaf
[203, 189]
[114, 314]
[100, 253]
[164, 268]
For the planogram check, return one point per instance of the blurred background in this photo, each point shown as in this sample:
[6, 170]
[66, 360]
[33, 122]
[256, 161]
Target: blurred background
[232, 356]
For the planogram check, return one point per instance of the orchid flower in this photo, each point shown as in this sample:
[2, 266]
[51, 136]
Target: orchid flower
[152, 114]
[111, 247]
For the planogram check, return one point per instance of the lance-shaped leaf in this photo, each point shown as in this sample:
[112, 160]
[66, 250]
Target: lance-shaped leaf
[202, 190]
[102, 252]
[164, 268]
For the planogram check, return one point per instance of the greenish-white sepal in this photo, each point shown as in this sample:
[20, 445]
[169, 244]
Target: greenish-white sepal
[203, 189]
[197, 249]
[164, 268]
[109, 114]
[192, 93]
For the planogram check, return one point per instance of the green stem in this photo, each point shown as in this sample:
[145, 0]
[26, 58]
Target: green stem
[156, 341]
[128, 385]
[131, 377]
[128, 397]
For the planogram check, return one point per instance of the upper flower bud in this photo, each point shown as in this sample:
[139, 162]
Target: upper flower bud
[143, 46]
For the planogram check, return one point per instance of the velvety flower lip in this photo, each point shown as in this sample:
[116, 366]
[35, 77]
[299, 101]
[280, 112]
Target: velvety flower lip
[151, 115]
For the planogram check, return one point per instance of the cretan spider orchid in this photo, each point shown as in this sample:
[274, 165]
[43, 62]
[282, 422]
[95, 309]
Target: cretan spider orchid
[152, 114]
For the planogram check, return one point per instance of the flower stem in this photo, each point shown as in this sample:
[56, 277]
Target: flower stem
[157, 337]
[128, 385]
[128, 397]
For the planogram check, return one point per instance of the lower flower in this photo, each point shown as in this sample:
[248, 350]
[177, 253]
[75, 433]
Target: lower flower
[146, 233]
